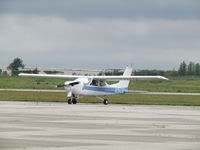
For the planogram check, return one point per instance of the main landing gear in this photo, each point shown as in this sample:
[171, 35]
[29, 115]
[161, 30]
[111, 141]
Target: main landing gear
[105, 101]
[72, 101]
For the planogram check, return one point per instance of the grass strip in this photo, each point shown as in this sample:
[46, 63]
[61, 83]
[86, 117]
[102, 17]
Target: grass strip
[176, 100]
[175, 84]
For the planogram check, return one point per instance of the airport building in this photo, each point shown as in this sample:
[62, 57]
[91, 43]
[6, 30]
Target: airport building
[60, 71]
[69, 71]
[90, 72]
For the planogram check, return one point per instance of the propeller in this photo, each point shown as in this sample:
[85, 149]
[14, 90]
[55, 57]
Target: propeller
[60, 85]
[67, 84]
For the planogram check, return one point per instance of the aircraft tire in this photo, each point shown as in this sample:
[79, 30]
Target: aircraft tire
[106, 102]
[69, 101]
[74, 101]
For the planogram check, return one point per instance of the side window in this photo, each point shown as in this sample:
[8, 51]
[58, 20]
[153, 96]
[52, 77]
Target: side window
[94, 83]
[102, 83]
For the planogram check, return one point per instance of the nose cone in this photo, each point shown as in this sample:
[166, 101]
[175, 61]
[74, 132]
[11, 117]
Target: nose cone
[83, 80]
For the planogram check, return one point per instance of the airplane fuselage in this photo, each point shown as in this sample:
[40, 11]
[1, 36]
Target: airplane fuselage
[86, 89]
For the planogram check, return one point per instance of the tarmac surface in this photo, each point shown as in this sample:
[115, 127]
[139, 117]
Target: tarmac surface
[129, 92]
[59, 126]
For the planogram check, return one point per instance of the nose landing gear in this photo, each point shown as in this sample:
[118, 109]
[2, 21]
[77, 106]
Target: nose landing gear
[72, 101]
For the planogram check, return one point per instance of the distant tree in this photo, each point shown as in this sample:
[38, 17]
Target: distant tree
[171, 73]
[149, 72]
[53, 72]
[182, 69]
[115, 72]
[15, 65]
[197, 69]
[4, 73]
[36, 71]
[0, 71]
[191, 69]
[100, 73]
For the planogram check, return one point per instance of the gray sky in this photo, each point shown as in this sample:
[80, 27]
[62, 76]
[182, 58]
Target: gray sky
[151, 34]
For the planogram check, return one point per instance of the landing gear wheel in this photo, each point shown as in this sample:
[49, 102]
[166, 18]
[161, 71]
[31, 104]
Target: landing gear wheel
[105, 101]
[74, 101]
[69, 101]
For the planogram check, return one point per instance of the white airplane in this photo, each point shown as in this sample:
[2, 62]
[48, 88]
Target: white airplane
[94, 86]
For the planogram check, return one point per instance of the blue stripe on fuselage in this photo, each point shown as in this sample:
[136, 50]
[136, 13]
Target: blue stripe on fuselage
[109, 90]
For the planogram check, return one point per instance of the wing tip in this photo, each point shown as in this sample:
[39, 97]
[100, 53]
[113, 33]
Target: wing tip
[21, 74]
[164, 78]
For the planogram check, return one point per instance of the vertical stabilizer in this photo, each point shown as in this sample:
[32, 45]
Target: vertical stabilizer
[125, 83]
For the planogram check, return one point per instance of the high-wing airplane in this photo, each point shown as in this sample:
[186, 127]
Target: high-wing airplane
[94, 86]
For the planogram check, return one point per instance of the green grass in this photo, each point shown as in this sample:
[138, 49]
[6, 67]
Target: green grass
[178, 100]
[175, 84]
[29, 83]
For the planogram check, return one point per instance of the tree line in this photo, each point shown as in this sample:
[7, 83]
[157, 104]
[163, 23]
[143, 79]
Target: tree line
[190, 69]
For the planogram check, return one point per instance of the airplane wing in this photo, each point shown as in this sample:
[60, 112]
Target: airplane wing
[50, 76]
[128, 77]
[93, 77]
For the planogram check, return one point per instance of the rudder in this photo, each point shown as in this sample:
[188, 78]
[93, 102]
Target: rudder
[125, 83]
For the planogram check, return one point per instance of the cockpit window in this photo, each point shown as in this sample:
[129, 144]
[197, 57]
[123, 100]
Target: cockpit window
[94, 83]
[98, 83]
[102, 83]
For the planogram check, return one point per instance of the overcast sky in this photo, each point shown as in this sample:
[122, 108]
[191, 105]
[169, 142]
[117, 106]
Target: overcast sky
[99, 34]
